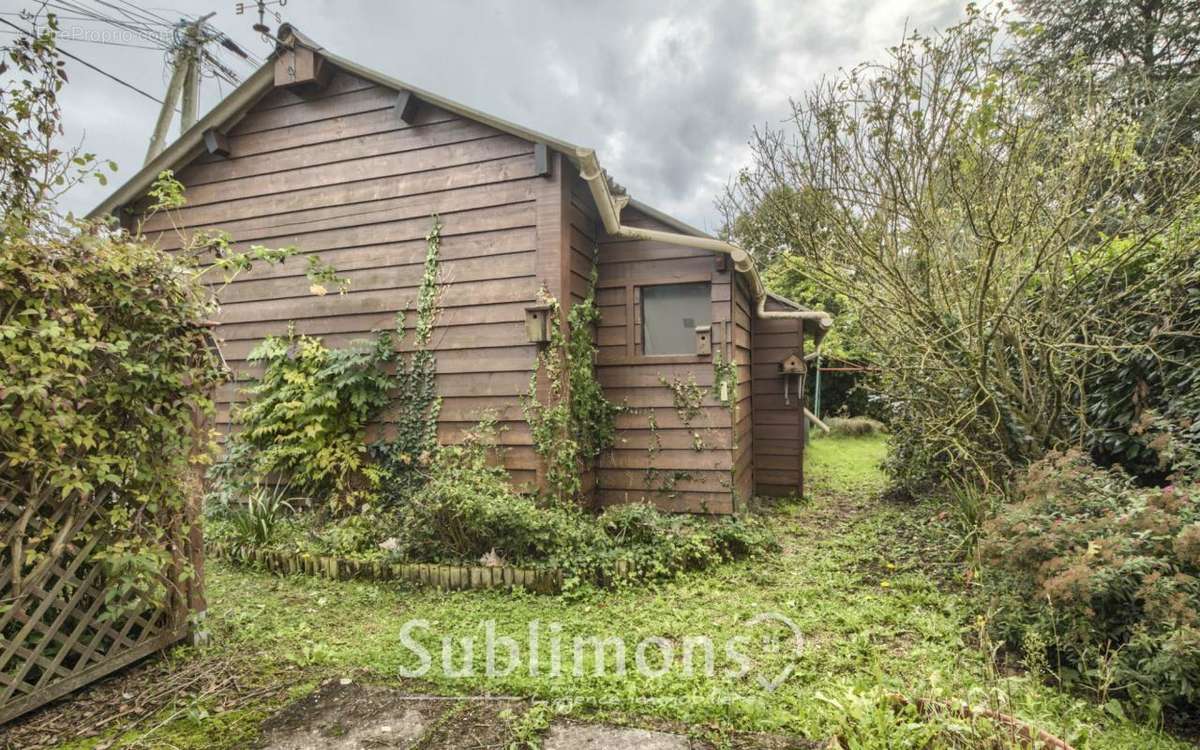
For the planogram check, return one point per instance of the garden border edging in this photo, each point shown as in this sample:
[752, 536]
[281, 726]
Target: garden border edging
[445, 577]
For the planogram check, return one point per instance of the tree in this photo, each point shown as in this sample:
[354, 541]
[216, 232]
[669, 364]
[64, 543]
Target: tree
[1144, 54]
[1158, 39]
[970, 213]
[33, 170]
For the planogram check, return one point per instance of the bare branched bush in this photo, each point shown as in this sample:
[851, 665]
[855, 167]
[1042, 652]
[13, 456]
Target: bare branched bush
[981, 232]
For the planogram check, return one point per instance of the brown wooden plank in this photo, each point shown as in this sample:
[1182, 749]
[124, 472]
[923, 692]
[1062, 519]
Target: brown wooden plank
[344, 213]
[673, 439]
[459, 337]
[351, 125]
[311, 154]
[307, 322]
[454, 247]
[363, 100]
[666, 459]
[290, 206]
[340, 83]
[362, 234]
[463, 272]
[493, 291]
[389, 165]
[678, 502]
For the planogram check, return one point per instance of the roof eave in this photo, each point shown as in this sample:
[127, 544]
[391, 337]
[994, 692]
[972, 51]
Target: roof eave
[187, 145]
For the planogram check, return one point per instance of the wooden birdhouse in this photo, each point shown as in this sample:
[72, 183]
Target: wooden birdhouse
[302, 70]
[793, 365]
[703, 340]
[537, 323]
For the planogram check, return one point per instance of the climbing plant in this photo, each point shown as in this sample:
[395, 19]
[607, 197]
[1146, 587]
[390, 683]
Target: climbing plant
[105, 363]
[571, 422]
[307, 418]
[724, 380]
[686, 396]
[415, 407]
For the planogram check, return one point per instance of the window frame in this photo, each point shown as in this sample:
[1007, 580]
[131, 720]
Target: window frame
[635, 325]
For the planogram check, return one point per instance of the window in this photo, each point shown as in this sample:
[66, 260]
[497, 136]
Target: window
[670, 315]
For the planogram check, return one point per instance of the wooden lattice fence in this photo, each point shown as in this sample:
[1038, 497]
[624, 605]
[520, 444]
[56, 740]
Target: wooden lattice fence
[60, 626]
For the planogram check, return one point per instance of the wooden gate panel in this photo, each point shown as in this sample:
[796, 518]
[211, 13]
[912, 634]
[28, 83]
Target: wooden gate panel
[58, 631]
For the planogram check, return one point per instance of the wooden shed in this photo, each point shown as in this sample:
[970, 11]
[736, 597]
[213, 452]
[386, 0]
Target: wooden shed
[316, 151]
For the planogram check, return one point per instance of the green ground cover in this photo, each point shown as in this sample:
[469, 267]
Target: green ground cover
[877, 596]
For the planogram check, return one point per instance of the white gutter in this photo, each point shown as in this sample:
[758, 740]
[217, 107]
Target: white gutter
[610, 214]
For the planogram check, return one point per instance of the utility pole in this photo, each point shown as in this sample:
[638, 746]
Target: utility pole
[185, 84]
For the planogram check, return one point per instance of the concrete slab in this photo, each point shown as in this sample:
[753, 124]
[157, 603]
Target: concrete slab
[341, 717]
[602, 737]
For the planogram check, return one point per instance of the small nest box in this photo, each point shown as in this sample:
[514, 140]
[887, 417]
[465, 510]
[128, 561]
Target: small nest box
[537, 323]
[793, 365]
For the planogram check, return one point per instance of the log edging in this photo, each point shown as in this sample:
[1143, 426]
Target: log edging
[444, 577]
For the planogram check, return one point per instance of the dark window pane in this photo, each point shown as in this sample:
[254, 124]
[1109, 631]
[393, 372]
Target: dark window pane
[670, 315]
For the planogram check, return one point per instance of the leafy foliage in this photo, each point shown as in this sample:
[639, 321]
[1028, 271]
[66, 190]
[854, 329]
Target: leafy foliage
[258, 522]
[308, 414]
[569, 418]
[104, 363]
[1158, 38]
[468, 509]
[925, 179]
[1097, 579]
[307, 417]
[413, 413]
[1143, 406]
[34, 171]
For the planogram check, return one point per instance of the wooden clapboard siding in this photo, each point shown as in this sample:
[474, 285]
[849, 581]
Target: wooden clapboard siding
[668, 472]
[743, 463]
[339, 175]
[777, 424]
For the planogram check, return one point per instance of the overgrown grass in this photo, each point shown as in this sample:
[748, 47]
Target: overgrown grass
[868, 584]
[838, 464]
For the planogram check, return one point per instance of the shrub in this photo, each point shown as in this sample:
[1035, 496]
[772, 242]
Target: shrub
[987, 308]
[854, 426]
[1104, 574]
[265, 508]
[308, 416]
[104, 362]
[468, 508]
[309, 412]
[652, 544]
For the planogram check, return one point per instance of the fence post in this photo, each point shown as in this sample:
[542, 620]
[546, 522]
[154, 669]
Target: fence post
[193, 515]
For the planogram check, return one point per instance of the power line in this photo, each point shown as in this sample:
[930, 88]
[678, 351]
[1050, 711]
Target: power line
[142, 28]
[105, 73]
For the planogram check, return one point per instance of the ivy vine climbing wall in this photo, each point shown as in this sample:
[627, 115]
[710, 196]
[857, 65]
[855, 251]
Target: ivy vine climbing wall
[413, 414]
[570, 419]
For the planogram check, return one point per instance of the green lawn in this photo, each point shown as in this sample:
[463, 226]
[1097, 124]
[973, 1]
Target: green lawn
[869, 585]
[836, 464]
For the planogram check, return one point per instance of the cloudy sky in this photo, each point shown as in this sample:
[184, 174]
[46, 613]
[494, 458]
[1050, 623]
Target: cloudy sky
[667, 91]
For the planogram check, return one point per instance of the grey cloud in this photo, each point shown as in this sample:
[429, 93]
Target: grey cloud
[667, 91]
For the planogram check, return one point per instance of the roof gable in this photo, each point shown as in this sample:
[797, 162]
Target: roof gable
[261, 87]
[316, 71]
